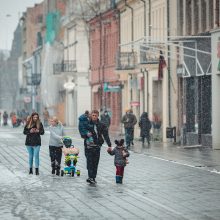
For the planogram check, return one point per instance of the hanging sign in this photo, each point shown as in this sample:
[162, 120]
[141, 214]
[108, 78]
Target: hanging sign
[111, 88]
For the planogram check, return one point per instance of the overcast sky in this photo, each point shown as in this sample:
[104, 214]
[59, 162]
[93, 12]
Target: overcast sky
[10, 11]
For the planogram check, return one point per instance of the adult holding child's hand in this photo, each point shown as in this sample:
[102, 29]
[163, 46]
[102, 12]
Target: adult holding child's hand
[55, 144]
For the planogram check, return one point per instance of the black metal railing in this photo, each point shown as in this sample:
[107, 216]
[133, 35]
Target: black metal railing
[126, 60]
[34, 79]
[149, 58]
[149, 54]
[65, 66]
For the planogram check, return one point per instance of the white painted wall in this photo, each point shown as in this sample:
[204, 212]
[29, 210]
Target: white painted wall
[80, 99]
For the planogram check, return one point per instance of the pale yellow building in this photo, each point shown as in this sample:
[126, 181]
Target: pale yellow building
[143, 34]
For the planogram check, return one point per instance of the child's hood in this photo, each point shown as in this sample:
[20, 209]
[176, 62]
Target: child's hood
[119, 147]
[83, 118]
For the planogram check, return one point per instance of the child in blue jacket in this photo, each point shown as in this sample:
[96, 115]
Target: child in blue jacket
[83, 123]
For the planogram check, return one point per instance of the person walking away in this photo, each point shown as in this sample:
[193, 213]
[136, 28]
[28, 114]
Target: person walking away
[55, 144]
[145, 126]
[46, 116]
[33, 131]
[99, 132]
[157, 122]
[5, 118]
[106, 119]
[120, 161]
[129, 120]
[14, 120]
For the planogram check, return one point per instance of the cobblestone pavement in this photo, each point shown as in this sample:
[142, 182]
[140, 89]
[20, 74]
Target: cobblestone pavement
[158, 184]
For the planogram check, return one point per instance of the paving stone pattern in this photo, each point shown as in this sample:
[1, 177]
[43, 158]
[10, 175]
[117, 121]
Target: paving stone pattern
[153, 188]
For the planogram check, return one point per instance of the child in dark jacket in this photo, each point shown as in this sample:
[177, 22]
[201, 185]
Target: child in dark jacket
[121, 153]
[84, 123]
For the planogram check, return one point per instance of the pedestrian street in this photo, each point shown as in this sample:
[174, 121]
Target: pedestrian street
[153, 188]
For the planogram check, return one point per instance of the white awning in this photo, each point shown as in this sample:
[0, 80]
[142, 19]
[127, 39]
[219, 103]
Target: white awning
[95, 88]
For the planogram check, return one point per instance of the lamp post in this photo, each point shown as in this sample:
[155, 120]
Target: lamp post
[69, 86]
[145, 71]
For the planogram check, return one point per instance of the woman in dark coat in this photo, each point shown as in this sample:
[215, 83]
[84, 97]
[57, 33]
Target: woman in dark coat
[33, 129]
[145, 126]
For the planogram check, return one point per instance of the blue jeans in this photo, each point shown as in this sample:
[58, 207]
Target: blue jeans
[33, 152]
[129, 136]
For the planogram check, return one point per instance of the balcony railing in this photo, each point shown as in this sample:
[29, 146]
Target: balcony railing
[66, 66]
[126, 60]
[149, 55]
[34, 79]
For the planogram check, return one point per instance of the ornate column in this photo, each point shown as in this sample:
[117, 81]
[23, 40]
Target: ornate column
[200, 16]
[208, 25]
[193, 5]
[184, 17]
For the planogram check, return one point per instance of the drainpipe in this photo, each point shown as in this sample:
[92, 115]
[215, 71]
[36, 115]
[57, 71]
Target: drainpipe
[168, 69]
[149, 18]
[145, 70]
[132, 39]
[100, 60]
[145, 17]
[132, 23]
[103, 67]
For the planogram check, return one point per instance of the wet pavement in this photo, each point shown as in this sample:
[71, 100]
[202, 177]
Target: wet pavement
[161, 182]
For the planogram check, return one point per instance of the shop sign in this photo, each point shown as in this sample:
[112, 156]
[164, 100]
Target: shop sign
[111, 88]
[27, 99]
[135, 103]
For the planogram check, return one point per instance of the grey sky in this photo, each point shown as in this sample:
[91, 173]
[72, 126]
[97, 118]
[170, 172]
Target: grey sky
[8, 24]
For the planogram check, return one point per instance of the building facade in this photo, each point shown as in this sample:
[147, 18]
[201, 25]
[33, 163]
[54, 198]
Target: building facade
[106, 88]
[195, 21]
[141, 40]
[31, 24]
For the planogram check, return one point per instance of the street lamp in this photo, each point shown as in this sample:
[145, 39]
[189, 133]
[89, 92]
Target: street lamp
[69, 86]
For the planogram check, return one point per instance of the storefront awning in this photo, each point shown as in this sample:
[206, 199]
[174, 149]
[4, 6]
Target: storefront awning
[95, 88]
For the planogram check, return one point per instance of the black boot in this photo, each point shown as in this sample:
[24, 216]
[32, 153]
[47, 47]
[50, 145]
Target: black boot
[31, 171]
[53, 171]
[37, 171]
[58, 172]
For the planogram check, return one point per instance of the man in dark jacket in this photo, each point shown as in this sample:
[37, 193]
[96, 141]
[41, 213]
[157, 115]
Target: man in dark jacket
[105, 119]
[97, 131]
[129, 120]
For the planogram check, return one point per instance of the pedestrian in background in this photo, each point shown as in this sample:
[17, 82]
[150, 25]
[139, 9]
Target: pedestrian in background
[120, 161]
[105, 119]
[33, 129]
[5, 118]
[14, 120]
[145, 126]
[55, 144]
[46, 116]
[97, 131]
[129, 120]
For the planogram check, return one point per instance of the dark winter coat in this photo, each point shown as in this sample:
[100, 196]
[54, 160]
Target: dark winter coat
[33, 139]
[83, 124]
[129, 120]
[105, 119]
[92, 127]
[145, 125]
[119, 160]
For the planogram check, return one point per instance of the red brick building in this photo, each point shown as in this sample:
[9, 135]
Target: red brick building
[106, 89]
